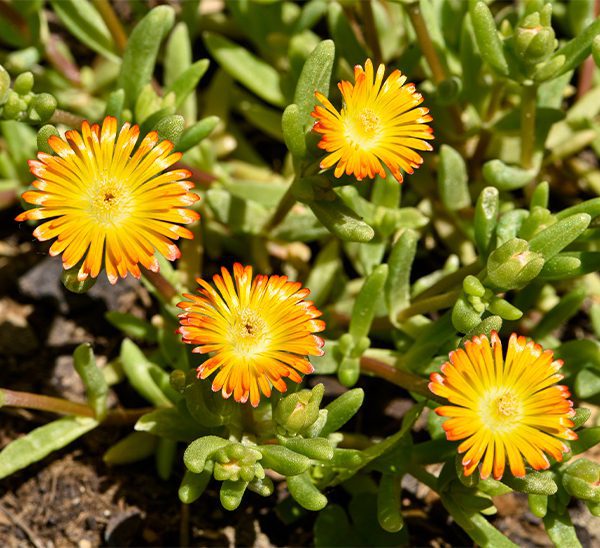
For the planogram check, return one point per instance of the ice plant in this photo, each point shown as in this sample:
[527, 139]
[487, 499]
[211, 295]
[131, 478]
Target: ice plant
[504, 408]
[259, 331]
[380, 122]
[108, 204]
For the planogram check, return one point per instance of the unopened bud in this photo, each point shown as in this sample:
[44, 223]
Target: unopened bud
[299, 411]
[534, 38]
[23, 83]
[14, 106]
[582, 480]
[513, 265]
[44, 106]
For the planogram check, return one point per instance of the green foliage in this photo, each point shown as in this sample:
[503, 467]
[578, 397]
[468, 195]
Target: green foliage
[498, 230]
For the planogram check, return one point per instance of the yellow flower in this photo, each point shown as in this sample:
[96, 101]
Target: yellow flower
[258, 331]
[108, 203]
[504, 408]
[379, 122]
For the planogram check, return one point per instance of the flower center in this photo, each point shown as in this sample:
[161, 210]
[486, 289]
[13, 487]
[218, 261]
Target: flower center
[500, 411]
[508, 405]
[249, 332]
[110, 201]
[363, 129]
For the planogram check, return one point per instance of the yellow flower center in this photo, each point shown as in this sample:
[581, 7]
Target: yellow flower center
[508, 406]
[249, 332]
[500, 411]
[363, 128]
[110, 201]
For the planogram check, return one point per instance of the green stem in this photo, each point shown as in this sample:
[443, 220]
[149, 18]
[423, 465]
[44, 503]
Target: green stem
[112, 22]
[284, 206]
[164, 287]
[430, 304]
[60, 62]
[423, 476]
[425, 42]
[528, 105]
[399, 377]
[28, 400]
[192, 251]
[371, 34]
[449, 282]
[485, 135]
[427, 46]
[66, 118]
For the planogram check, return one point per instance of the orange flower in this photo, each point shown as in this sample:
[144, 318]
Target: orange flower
[379, 122]
[504, 408]
[110, 204]
[258, 331]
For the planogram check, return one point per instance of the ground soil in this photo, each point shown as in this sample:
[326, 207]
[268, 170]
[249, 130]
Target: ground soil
[72, 498]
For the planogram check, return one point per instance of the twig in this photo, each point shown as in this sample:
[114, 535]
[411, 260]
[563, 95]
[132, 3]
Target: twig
[66, 118]
[371, 34]
[184, 525]
[28, 400]
[430, 304]
[283, 208]
[404, 379]
[203, 178]
[21, 525]
[112, 22]
[427, 46]
[12, 398]
[528, 106]
[60, 62]
[161, 284]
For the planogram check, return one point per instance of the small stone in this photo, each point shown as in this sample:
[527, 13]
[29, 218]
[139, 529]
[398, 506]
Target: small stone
[122, 528]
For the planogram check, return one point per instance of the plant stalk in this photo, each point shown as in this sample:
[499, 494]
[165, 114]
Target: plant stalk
[528, 106]
[284, 206]
[371, 35]
[112, 22]
[66, 118]
[164, 287]
[430, 304]
[404, 379]
[28, 400]
[427, 46]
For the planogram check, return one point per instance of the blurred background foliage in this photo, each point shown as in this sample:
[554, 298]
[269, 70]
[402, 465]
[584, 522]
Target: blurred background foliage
[498, 230]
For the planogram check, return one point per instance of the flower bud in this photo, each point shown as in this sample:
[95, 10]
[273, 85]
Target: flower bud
[534, 39]
[582, 480]
[43, 105]
[298, 411]
[513, 265]
[14, 106]
[237, 462]
[23, 83]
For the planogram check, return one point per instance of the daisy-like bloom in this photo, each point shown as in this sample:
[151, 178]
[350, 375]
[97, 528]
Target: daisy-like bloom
[108, 204]
[258, 332]
[504, 408]
[380, 122]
